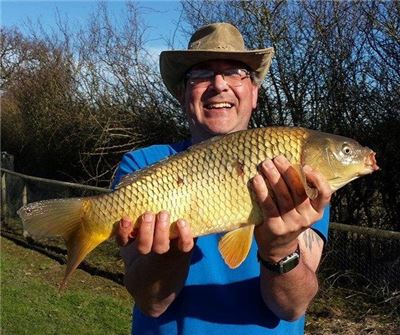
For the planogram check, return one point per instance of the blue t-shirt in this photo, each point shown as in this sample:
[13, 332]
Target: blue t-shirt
[215, 299]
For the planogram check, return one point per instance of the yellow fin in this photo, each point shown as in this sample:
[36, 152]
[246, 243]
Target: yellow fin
[235, 245]
[61, 217]
[58, 217]
[79, 244]
[311, 192]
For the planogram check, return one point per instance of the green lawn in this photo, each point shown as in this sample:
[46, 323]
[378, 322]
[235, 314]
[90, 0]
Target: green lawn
[32, 304]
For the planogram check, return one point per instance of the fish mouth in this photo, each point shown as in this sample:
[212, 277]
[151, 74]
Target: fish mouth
[370, 163]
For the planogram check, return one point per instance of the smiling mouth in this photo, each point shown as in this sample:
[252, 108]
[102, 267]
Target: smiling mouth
[219, 105]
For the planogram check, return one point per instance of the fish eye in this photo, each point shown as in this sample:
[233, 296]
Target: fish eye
[346, 149]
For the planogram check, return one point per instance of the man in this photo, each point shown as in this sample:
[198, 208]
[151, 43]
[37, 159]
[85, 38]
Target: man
[182, 286]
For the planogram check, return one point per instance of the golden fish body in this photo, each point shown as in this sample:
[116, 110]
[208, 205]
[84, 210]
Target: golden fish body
[207, 185]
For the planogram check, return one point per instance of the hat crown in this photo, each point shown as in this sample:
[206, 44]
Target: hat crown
[218, 37]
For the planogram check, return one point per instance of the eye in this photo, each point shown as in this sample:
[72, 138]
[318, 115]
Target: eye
[232, 73]
[199, 75]
[346, 149]
[237, 73]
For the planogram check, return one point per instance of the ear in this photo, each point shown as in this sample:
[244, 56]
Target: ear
[255, 89]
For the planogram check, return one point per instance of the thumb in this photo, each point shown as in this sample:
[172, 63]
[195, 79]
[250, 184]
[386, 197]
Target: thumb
[124, 232]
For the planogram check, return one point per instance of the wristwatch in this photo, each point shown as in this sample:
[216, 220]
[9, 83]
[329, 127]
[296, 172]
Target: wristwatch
[284, 265]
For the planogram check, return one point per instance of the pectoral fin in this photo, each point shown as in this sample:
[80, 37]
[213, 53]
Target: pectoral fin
[235, 245]
[311, 192]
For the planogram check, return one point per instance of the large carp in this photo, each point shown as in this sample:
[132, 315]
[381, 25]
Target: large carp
[208, 185]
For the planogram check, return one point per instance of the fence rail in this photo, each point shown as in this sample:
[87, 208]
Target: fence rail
[333, 225]
[372, 253]
[373, 232]
[55, 182]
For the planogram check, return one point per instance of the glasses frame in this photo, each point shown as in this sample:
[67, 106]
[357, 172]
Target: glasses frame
[206, 80]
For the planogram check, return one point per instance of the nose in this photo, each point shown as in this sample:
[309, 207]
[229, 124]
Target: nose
[219, 83]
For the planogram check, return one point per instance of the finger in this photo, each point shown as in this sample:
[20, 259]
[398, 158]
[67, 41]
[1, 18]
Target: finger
[144, 238]
[292, 180]
[263, 197]
[161, 233]
[123, 234]
[282, 196]
[320, 183]
[185, 239]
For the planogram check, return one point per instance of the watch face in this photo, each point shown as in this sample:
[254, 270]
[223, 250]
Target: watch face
[289, 263]
[284, 265]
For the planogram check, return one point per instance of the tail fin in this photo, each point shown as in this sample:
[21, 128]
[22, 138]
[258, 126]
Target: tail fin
[61, 217]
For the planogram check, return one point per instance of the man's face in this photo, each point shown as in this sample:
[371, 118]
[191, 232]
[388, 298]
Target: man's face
[219, 108]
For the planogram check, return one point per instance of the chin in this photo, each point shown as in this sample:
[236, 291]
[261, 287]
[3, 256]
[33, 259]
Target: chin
[221, 129]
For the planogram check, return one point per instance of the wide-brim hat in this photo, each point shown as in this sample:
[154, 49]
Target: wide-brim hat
[212, 42]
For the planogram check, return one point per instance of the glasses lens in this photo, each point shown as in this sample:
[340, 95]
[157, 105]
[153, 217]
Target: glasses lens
[233, 77]
[200, 77]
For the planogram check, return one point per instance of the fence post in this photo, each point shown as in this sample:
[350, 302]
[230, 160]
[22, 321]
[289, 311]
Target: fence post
[25, 202]
[24, 195]
[3, 197]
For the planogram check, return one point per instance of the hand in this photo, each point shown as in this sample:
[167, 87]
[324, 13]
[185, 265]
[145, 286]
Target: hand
[152, 234]
[287, 209]
[155, 267]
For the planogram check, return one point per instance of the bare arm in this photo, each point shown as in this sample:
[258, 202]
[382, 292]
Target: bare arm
[289, 295]
[288, 216]
[156, 268]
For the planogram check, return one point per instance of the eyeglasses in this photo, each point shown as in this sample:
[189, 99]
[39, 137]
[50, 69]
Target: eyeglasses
[203, 78]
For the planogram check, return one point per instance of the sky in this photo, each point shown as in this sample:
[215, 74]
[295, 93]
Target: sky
[160, 16]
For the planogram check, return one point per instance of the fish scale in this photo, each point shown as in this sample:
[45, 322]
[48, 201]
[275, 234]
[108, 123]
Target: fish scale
[195, 177]
[208, 185]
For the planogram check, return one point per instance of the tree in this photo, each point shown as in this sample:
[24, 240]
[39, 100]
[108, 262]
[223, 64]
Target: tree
[82, 99]
[37, 107]
[336, 69]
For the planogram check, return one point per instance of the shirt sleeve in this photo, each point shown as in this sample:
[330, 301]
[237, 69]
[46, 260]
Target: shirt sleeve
[321, 227]
[127, 165]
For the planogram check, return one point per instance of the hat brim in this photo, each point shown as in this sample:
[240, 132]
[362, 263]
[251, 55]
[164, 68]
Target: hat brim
[175, 63]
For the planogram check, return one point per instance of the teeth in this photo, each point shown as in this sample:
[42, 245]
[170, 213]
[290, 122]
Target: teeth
[220, 105]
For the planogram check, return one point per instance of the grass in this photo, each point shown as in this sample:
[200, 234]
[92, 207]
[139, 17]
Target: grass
[344, 311]
[32, 304]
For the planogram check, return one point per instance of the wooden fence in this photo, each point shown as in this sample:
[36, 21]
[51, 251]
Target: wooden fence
[24, 194]
[372, 253]
[373, 232]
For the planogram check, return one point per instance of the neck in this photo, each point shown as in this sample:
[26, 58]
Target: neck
[199, 135]
[197, 139]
